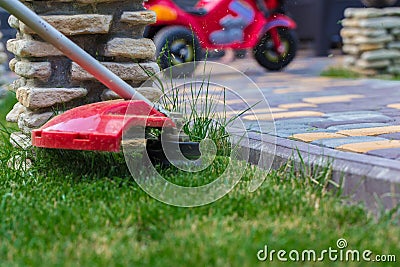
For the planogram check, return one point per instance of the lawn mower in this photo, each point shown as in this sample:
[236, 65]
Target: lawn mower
[98, 126]
[181, 35]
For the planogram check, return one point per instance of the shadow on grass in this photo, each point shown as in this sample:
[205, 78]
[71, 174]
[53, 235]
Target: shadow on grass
[82, 165]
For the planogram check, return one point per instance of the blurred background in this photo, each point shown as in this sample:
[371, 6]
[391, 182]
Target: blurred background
[318, 22]
[6, 30]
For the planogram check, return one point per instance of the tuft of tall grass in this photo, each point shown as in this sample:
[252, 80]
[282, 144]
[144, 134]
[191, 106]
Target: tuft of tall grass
[202, 106]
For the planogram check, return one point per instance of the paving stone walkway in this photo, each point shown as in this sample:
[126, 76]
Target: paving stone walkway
[353, 115]
[354, 123]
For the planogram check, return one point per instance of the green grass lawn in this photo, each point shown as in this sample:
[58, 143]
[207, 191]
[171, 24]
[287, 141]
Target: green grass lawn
[76, 208]
[345, 73]
[340, 72]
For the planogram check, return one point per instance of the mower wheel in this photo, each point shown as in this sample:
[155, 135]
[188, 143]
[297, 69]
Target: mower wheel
[176, 45]
[265, 52]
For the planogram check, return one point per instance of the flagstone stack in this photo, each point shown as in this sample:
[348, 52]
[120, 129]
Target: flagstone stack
[371, 38]
[49, 83]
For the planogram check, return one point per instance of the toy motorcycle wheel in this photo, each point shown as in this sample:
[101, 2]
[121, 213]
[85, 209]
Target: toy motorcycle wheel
[266, 54]
[176, 45]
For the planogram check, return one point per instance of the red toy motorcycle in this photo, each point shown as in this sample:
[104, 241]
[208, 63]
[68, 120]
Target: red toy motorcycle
[181, 35]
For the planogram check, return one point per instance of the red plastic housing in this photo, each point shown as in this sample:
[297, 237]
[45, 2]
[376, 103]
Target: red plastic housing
[98, 126]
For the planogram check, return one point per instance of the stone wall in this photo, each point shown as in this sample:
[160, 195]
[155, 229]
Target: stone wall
[371, 38]
[109, 30]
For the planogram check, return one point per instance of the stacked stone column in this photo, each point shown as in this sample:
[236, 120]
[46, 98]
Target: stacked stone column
[49, 83]
[371, 37]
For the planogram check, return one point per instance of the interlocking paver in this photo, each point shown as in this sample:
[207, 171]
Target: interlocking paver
[308, 121]
[337, 142]
[331, 123]
[310, 137]
[297, 90]
[365, 147]
[392, 136]
[356, 126]
[355, 115]
[331, 99]
[371, 131]
[396, 106]
[287, 130]
[297, 105]
[336, 107]
[284, 115]
[390, 153]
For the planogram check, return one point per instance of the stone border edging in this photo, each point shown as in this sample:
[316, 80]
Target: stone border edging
[368, 179]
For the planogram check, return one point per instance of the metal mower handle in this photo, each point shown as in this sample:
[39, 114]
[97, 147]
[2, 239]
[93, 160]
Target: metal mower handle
[71, 50]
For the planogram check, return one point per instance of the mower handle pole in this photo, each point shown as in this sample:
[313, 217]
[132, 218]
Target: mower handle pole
[72, 50]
